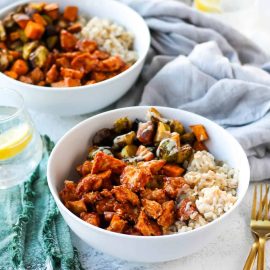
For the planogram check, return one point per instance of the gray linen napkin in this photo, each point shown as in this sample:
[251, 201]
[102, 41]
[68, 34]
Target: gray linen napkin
[198, 64]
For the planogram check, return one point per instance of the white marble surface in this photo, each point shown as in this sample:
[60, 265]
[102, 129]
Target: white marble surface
[227, 252]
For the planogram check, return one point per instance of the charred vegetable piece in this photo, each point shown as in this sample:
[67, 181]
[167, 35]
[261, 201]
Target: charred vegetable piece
[129, 151]
[188, 138]
[103, 137]
[199, 132]
[34, 30]
[51, 41]
[125, 139]
[95, 149]
[177, 126]
[185, 153]
[168, 150]
[145, 132]
[28, 48]
[38, 58]
[163, 132]
[122, 125]
[3, 34]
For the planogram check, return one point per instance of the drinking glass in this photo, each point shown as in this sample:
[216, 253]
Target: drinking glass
[20, 143]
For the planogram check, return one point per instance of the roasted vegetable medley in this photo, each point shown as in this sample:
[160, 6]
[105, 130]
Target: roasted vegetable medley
[132, 181]
[41, 45]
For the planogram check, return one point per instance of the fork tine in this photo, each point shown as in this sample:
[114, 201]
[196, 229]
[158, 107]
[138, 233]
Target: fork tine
[253, 211]
[265, 202]
[259, 214]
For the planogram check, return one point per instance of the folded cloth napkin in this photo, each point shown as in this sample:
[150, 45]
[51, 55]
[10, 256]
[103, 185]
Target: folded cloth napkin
[33, 234]
[198, 64]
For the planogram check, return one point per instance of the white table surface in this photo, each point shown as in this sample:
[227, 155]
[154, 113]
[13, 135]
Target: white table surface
[227, 252]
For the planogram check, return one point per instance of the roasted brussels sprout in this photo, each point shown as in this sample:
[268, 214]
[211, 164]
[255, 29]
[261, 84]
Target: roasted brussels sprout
[122, 125]
[129, 151]
[103, 137]
[3, 34]
[168, 150]
[28, 48]
[39, 57]
[51, 41]
[188, 138]
[95, 149]
[185, 153]
[23, 37]
[16, 46]
[177, 126]
[125, 139]
[163, 132]
[154, 116]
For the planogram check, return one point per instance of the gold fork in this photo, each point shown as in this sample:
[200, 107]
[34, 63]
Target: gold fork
[254, 249]
[260, 225]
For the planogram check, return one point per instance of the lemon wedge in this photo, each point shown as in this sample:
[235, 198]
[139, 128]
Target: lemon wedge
[14, 141]
[211, 6]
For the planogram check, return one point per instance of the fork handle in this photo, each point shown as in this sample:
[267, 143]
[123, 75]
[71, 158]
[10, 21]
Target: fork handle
[251, 256]
[261, 254]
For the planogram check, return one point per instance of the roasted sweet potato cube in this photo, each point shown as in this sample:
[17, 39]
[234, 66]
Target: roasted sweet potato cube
[186, 210]
[67, 40]
[52, 10]
[157, 195]
[172, 170]
[90, 182]
[154, 165]
[71, 13]
[20, 67]
[135, 178]
[152, 208]
[14, 54]
[117, 224]
[39, 19]
[174, 186]
[14, 35]
[143, 153]
[34, 30]
[146, 226]
[91, 218]
[103, 162]
[71, 73]
[11, 74]
[68, 193]
[113, 63]
[145, 132]
[21, 19]
[84, 62]
[92, 197]
[123, 194]
[37, 75]
[76, 207]
[199, 146]
[62, 62]
[199, 132]
[86, 45]
[168, 214]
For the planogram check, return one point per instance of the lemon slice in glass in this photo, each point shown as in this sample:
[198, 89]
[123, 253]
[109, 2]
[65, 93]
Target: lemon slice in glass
[211, 6]
[14, 141]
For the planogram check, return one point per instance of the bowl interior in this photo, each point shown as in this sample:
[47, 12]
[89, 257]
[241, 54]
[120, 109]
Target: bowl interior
[72, 148]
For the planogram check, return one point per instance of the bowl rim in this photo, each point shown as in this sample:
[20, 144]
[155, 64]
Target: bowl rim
[150, 238]
[83, 87]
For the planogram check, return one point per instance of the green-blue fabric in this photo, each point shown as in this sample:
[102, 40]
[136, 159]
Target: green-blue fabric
[32, 232]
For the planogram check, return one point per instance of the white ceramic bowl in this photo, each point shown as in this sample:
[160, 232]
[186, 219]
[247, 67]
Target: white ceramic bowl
[72, 149]
[88, 98]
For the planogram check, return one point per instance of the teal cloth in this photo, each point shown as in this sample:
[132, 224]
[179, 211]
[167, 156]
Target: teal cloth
[33, 235]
